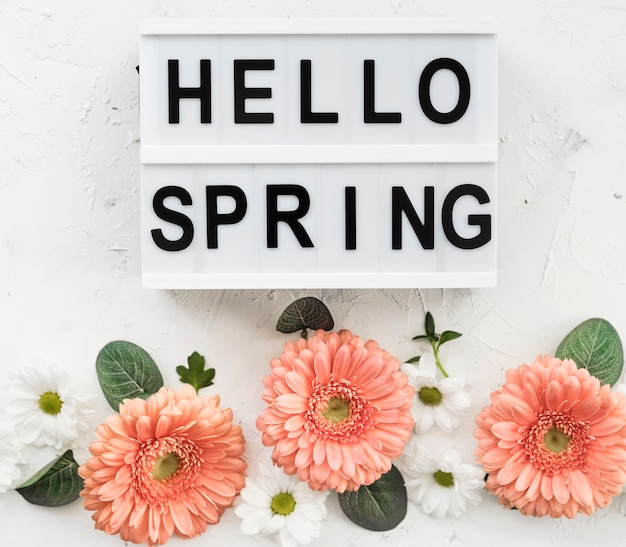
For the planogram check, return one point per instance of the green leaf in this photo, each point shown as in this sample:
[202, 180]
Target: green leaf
[56, 484]
[448, 335]
[429, 324]
[421, 337]
[196, 375]
[414, 360]
[305, 313]
[379, 506]
[596, 346]
[126, 371]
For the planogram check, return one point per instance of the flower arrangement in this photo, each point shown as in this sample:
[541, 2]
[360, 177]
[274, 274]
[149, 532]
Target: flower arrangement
[341, 417]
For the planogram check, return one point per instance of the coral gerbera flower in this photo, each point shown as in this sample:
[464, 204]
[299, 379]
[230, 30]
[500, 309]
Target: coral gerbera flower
[339, 410]
[165, 466]
[553, 440]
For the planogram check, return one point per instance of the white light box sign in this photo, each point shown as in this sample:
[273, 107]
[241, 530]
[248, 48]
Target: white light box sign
[318, 153]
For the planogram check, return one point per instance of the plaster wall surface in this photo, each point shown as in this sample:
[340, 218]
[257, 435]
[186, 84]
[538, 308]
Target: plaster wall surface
[70, 254]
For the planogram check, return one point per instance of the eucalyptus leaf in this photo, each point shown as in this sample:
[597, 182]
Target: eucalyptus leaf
[596, 346]
[126, 371]
[305, 313]
[56, 484]
[379, 506]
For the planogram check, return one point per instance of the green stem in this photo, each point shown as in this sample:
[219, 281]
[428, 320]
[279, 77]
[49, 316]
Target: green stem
[435, 347]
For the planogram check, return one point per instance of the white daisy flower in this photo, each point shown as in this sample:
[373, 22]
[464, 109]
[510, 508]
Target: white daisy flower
[44, 411]
[10, 457]
[282, 507]
[443, 486]
[436, 402]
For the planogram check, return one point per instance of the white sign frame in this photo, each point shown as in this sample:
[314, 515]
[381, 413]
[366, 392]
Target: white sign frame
[154, 154]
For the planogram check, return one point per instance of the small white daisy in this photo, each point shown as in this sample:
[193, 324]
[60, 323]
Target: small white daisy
[282, 507]
[44, 411]
[436, 402]
[443, 486]
[10, 457]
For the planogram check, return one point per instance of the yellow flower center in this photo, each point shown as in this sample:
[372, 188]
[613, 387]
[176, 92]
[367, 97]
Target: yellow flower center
[283, 504]
[556, 441]
[50, 403]
[430, 396]
[337, 410]
[443, 478]
[165, 466]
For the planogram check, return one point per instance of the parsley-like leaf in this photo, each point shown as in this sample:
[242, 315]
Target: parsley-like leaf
[195, 374]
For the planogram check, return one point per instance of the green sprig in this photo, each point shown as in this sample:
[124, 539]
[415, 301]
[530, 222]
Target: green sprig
[435, 340]
[196, 375]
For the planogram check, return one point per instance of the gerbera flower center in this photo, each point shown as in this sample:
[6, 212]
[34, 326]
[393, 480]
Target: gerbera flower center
[430, 396]
[283, 504]
[556, 441]
[443, 478]
[338, 411]
[165, 466]
[50, 403]
[167, 469]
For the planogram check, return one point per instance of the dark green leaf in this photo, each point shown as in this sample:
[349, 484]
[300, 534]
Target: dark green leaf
[448, 335]
[596, 346]
[305, 313]
[380, 506]
[429, 324]
[56, 484]
[126, 371]
[196, 375]
[421, 337]
[414, 360]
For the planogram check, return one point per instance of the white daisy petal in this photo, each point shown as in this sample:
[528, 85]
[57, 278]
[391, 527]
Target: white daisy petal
[276, 523]
[10, 457]
[255, 522]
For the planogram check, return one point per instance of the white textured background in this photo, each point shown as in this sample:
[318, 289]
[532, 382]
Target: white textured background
[69, 241]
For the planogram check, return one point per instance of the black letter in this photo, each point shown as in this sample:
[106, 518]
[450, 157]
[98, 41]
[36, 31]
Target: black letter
[484, 221]
[369, 112]
[213, 218]
[168, 215]
[274, 216]
[425, 231]
[176, 93]
[350, 194]
[306, 116]
[464, 91]
[242, 92]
